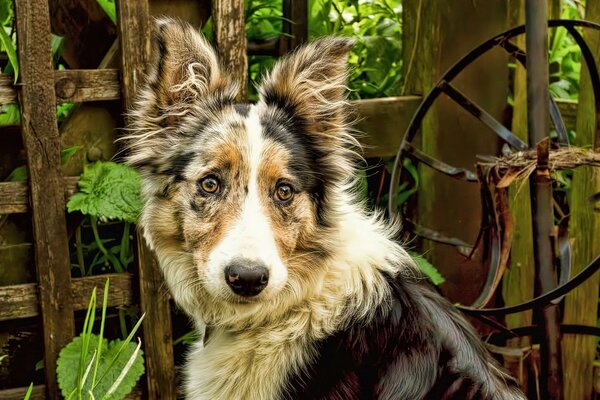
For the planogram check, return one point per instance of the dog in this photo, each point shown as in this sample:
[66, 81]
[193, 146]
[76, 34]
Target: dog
[251, 211]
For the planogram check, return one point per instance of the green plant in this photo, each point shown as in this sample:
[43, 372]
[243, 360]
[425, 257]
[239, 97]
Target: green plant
[427, 268]
[104, 369]
[108, 191]
[19, 174]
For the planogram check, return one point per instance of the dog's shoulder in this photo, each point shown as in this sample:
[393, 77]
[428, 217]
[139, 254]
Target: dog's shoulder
[415, 345]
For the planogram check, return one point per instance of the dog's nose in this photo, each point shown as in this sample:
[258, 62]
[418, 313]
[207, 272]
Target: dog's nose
[246, 277]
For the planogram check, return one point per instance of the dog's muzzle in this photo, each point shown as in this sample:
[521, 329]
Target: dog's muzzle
[246, 277]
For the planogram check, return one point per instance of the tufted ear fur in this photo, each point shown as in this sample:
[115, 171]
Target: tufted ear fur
[185, 86]
[310, 86]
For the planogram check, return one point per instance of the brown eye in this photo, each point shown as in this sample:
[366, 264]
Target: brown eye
[210, 184]
[284, 193]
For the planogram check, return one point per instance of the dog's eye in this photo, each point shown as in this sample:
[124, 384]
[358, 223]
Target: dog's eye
[284, 193]
[210, 184]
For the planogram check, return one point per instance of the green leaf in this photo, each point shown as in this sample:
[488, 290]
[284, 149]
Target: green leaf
[10, 114]
[427, 268]
[69, 361]
[6, 12]
[108, 190]
[109, 8]
[67, 153]
[11, 50]
[29, 392]
[3, 356]
[18, 174]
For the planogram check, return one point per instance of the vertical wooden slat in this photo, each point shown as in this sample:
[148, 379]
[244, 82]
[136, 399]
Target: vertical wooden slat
[134, 34]
[295, 24]
[230, 34]
[581, 305]
[42, 145]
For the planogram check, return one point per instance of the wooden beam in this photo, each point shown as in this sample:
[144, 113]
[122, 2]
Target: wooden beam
[134, 34]
[14, 196]
[581, 305]
[73, 86]
[383, 123]
[21, 301]
[39, 393]
[230, 35]
[295, 25]
[42, 145]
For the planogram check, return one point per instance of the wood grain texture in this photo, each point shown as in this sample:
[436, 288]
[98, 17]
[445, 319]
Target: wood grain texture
[134, 34]
[295, 25]
[42, 144]
[383, 123]
[39, 393]
[21, 301]
[581, 305]
[230, 35]
[14, 196]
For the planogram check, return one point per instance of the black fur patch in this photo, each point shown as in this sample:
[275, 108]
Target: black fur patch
[305, 157]
[178, 164]
[402, 351]
[242, 109]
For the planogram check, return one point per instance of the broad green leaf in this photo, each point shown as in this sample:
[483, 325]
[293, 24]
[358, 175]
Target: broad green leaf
[70, 358]
[109, 8]
[6, 12]
[108, 190]
[427, 268]
[10, 114]
[11, 51]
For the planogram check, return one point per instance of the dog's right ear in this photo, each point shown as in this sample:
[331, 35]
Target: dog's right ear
[184, 78]
[184, 70]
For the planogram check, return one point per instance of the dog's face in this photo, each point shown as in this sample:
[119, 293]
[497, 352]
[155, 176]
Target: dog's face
[240, 195]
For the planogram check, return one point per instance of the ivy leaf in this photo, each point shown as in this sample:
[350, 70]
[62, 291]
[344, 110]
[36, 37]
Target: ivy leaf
[108, 190]
[427, 268]
[70, 357]
[11, 50]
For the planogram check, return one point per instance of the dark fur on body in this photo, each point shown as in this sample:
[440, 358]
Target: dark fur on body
[345, 314]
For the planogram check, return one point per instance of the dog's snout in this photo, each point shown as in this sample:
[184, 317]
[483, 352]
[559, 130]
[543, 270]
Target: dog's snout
[246, 277]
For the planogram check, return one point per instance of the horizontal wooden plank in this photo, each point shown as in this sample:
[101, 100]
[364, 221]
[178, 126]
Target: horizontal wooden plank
[21, 301]
[383, 122]
[14, 196]
[39, 393]
[73, 85]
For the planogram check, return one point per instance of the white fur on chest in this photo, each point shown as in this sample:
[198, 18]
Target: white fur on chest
[248, 365]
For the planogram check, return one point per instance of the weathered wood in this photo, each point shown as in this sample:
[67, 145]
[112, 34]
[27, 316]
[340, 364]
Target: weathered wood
[38, 393]
[518, 282]
[230, 35]
[581, 305]
[295, 25]
[87, 85]
[42, 144]
[21, 301]
[73, 86]
[383, 122]
[449, 133]
[134, 28]
[14, 196]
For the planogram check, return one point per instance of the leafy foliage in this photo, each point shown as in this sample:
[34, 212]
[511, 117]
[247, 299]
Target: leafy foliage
[90, 367]
[19, 174]
[427, 268]
[108, 190]
[109, 8]
[70, 358]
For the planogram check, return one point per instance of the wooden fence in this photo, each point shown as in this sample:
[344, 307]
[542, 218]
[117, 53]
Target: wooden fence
[56, 296]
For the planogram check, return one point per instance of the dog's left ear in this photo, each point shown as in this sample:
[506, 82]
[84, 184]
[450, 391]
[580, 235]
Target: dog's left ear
[309, 85]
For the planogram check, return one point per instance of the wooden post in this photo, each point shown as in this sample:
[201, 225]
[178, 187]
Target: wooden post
[295, 25]
[230, 35]
[448, 132]
[42, 145]
[134, 34]
[519, 278]
[581, 305]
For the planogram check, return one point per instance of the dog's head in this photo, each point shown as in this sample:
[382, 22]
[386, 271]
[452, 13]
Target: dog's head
[238, 198]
